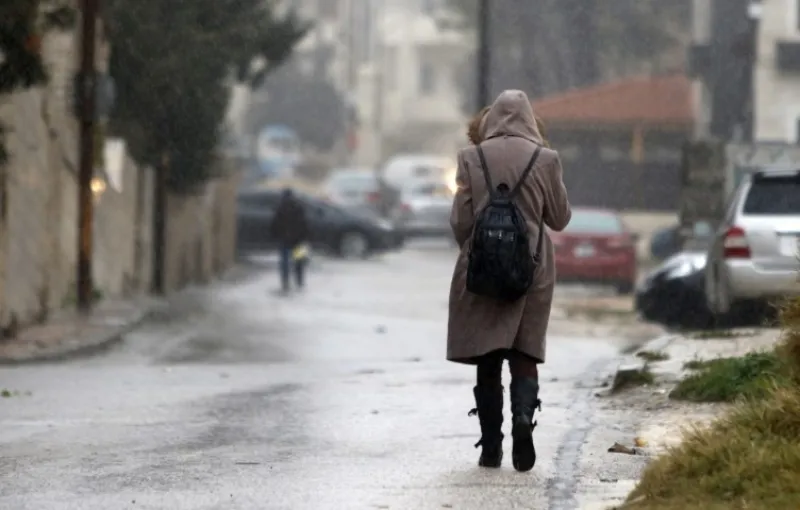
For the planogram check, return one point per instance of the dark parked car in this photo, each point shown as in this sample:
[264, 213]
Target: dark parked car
[667, 241]
[343, 232]
[673, 294]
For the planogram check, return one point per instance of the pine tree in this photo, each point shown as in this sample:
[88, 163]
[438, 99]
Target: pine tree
[173, 61]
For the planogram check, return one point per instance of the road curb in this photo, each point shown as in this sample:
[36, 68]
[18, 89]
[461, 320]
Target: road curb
[632, 364]
[98, 344]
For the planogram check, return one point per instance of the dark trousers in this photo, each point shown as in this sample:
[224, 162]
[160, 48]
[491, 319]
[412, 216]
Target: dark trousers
[288, 264]
[490, 367]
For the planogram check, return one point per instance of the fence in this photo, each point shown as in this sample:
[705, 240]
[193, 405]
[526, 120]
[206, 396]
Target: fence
[623, 185]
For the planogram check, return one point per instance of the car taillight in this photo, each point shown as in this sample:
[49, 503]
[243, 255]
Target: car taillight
[405, 208]
[735, 245]
[373, 197]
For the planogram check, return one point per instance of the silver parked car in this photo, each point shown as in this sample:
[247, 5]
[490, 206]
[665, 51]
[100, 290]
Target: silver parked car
[360, 190]
[424, 209]
[352, 187]
[754, 255]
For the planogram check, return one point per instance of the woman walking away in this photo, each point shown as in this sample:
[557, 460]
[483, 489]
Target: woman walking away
[484, 329]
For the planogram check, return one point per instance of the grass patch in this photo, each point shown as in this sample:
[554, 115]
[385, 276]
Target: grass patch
[750, 458]
[695, 364]
[728, 379]
[653, 356]
[632, 378]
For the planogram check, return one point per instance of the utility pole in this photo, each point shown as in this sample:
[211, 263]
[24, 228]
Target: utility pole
[484, 55]
[87, 94]
[378, 43]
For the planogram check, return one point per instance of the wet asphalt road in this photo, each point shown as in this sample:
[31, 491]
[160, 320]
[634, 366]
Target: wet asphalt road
[335, 398]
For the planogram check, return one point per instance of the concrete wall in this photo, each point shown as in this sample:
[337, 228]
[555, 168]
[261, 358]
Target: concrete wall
[37, 232]
[122, 233]
[201, 233]
[39, 210]
[40, 227]
[31, 282]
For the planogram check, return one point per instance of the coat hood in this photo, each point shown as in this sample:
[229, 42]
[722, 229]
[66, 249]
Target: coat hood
[511, 114]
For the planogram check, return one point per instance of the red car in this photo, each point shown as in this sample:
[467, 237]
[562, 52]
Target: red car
[596, 247]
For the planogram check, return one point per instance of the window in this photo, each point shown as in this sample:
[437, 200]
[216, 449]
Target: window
[774, 196]
[353, 185]
[268, 200]
[592, 222]
[427, 79]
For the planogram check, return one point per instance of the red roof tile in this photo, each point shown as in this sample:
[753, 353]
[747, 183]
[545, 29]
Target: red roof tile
[641, 100]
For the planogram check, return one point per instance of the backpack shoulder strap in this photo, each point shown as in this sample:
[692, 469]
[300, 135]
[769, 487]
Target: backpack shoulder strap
[485, 171]
[526, 172]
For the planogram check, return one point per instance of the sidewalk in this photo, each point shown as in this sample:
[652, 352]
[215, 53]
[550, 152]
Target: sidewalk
[70, 334]
[662, 420]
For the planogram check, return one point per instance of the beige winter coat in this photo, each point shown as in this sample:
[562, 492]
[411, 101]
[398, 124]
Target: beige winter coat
[478, 325]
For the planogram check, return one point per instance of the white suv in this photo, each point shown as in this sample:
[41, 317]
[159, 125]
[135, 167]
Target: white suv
[755, 255]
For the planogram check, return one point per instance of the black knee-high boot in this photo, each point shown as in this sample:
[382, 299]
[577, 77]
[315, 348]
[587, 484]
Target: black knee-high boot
[524, 401]
[489, 402]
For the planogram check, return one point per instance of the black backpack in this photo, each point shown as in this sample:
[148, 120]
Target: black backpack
[500, 263]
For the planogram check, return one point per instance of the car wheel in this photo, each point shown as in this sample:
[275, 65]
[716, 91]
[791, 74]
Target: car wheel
[353, 245]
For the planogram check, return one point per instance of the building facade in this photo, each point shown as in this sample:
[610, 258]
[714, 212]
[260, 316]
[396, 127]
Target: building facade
[408, 89]
[395, 61]
[721, 63]
[777, 73]
[745, 63]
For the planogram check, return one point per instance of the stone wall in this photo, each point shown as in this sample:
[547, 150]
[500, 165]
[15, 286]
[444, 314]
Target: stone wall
[39, 202]
[40, 228]
[39, 210]
[37, 232]
[123, 234]
[201, 233]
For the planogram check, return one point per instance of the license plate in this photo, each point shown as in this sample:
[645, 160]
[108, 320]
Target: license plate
[584, 250]
[790, 246]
